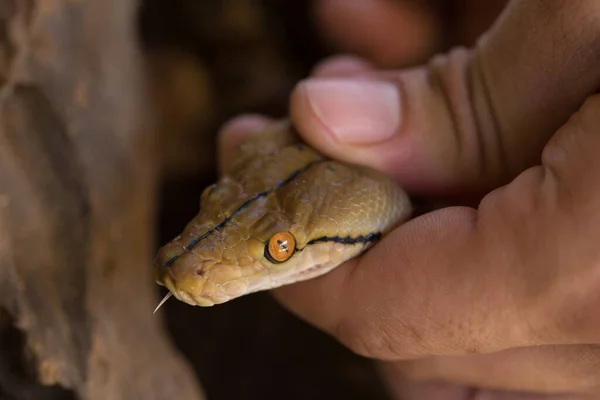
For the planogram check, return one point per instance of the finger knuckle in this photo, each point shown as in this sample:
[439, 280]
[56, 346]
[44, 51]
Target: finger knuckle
[577, 141]
[365, 341]
[380, 341]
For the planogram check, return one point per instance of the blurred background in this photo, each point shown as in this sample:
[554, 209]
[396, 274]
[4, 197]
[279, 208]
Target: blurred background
[210, 60]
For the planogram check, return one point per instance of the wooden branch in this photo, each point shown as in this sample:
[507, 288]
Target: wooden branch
[77, 189]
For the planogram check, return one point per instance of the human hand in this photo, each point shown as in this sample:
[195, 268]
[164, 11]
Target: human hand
[518, 276]
[397, 33]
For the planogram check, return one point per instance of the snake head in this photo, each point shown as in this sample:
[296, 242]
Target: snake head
[280, 236]
[282, 213]
[216, 259]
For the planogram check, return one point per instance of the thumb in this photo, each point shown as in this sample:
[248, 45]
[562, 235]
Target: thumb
[468, 121]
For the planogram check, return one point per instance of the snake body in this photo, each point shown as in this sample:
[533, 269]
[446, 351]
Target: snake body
[280, 213]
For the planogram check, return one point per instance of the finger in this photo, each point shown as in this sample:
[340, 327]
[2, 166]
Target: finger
[404, 389]
[234, 131]
[387, 32]
[542, 369]
[467, 121]
[516, 272]
[343, 65]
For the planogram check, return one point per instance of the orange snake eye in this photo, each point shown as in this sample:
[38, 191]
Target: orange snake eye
[280, 247]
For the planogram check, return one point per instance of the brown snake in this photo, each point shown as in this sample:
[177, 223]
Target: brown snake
[281, 213]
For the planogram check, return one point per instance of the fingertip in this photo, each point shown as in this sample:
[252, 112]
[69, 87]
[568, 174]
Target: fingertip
[234, 131]
[354, 111]
[237, 128]
[309, 127]
[351, 119]
[342, 65]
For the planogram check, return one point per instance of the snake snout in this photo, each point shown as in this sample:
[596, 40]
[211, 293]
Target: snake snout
[197, 281]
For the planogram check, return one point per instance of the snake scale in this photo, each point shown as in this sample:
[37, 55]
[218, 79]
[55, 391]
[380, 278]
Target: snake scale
[281, 213]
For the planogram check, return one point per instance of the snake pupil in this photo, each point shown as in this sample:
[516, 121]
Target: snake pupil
[283, 245]
[280, 247]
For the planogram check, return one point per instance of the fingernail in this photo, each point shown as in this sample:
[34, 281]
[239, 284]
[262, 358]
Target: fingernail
[356, 111]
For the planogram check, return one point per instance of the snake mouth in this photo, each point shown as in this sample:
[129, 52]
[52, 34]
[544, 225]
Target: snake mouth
[202, 300]
[198, 295]
[308, 271]
[203, 291]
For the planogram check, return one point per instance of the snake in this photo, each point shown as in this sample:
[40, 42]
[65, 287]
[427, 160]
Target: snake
[280, 213]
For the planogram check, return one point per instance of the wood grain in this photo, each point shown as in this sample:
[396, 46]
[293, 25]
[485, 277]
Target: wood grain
[77, 189]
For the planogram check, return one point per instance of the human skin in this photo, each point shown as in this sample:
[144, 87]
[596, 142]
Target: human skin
[397, 33]
[392, 33]
[503, 295]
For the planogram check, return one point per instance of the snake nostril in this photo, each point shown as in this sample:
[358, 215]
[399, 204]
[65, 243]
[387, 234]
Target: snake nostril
[200, 272]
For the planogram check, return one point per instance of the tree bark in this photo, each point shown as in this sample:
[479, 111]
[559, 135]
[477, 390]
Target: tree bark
[77, 209]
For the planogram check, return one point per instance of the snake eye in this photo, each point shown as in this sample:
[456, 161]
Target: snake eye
[280, 247]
